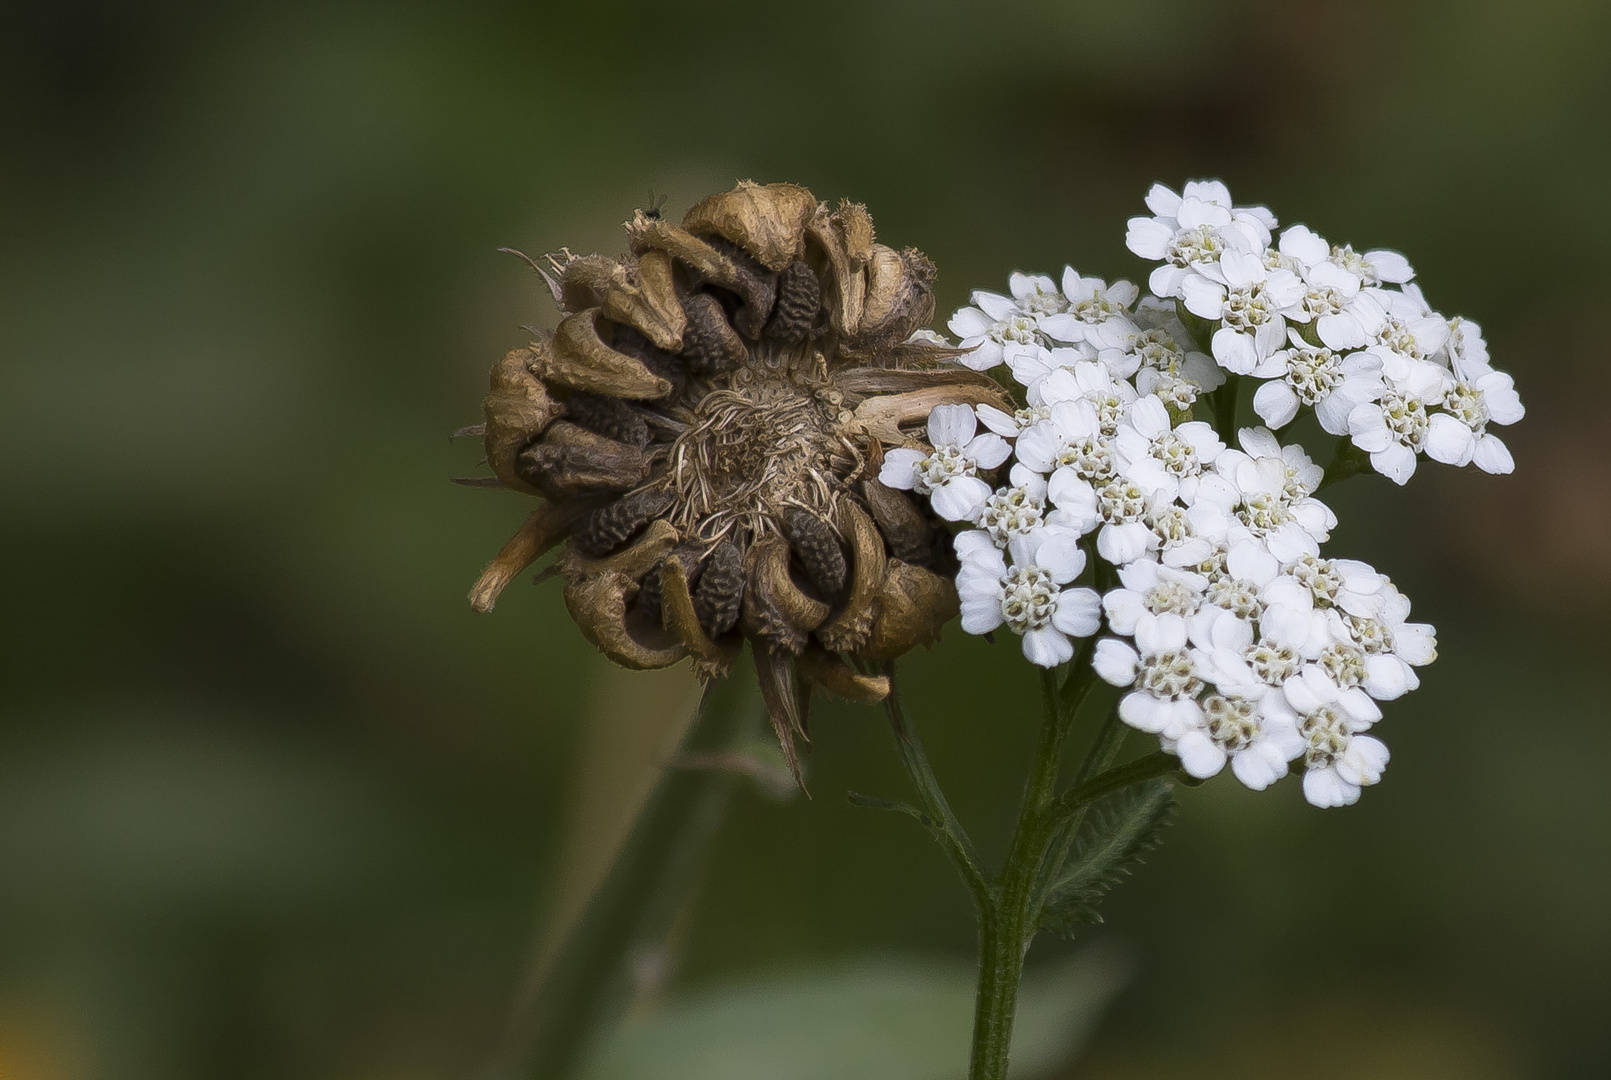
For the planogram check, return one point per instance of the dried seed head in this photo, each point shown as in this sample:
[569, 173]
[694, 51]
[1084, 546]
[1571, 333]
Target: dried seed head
[727, 391]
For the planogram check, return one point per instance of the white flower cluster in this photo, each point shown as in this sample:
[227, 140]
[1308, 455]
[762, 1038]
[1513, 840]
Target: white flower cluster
[1237, 641]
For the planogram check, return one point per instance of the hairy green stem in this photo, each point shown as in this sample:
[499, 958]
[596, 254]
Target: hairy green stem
[582, 989]
[1005, 929]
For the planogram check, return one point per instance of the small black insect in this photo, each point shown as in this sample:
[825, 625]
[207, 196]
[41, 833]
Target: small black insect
[656, 204]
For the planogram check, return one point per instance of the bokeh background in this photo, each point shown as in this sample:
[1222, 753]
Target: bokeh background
[274, 803]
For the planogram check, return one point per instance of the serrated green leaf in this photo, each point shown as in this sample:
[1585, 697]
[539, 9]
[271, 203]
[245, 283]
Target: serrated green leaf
[1121, 830]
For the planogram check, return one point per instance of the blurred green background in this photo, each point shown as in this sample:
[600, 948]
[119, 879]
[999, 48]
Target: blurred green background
[275, 803]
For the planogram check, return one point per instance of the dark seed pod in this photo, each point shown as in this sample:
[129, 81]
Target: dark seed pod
[612, 525]
[721, 589]
[817, 548]
[710, 345]
[799, 300]
[664, 364]
[608, 416]
[911, 537]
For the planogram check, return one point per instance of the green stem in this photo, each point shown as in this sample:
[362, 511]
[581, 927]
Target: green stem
[1005, 928]
[1346, 461]
[580, 992]
[952, 836]
[1225, 408]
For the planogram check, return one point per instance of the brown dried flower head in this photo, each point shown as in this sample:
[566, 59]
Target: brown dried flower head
[705, 428]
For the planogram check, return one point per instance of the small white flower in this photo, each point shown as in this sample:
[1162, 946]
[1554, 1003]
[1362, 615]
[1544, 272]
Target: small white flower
[1394, 428]
[1376, 267]
[1338, 758]
[995, 331]
[1236, 728]
[1097, 312]
[1030, 597]
[1161, 457]
[1233, 599]
[1015, 511]
[1149, 590]
[948, 474]
[1163, 672]
[1252, 304]
[1326, 381]
[1265, 498]
[1458, 433]
[1091, 381]
[1190, 232]
[1036, 295]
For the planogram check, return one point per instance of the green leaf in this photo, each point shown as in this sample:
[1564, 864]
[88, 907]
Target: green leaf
[1121, 830]
[887, 1018]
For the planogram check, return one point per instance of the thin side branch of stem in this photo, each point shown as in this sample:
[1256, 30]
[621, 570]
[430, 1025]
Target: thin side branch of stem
[1074, 800]
[948, 830]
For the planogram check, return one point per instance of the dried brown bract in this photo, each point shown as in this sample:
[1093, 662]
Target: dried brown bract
[706, 425]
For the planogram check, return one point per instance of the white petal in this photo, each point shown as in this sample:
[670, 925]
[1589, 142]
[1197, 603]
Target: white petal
[1199, 755]
[1449, 441]
[951, 425]
[1115, 661]
[899, 469]
[1047, 647]
[1079, 612]
[1235, 351]
[1493, 456]
[987, 450]
[960, 498]
[1276, 403]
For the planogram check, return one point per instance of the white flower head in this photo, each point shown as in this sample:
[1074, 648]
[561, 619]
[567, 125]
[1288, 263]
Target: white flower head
[995, 331]
[1304, 376]
[1251, 303]
[948, 474]
[1096, 312]
[1031, 596]
[1190, 232]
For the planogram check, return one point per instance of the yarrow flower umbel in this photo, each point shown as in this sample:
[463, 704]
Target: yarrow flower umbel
[1236, 640]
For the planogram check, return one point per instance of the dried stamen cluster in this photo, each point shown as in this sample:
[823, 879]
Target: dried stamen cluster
[706, 427]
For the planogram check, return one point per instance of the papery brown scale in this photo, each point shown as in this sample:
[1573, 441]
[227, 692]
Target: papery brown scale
[767, 220]
[579, 358]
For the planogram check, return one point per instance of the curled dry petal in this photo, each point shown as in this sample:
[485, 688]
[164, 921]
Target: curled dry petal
[543, 528]
[599, 606]
[775, 608]
[846, 631]
[579, 358]
[767, 220]
[518, 408]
